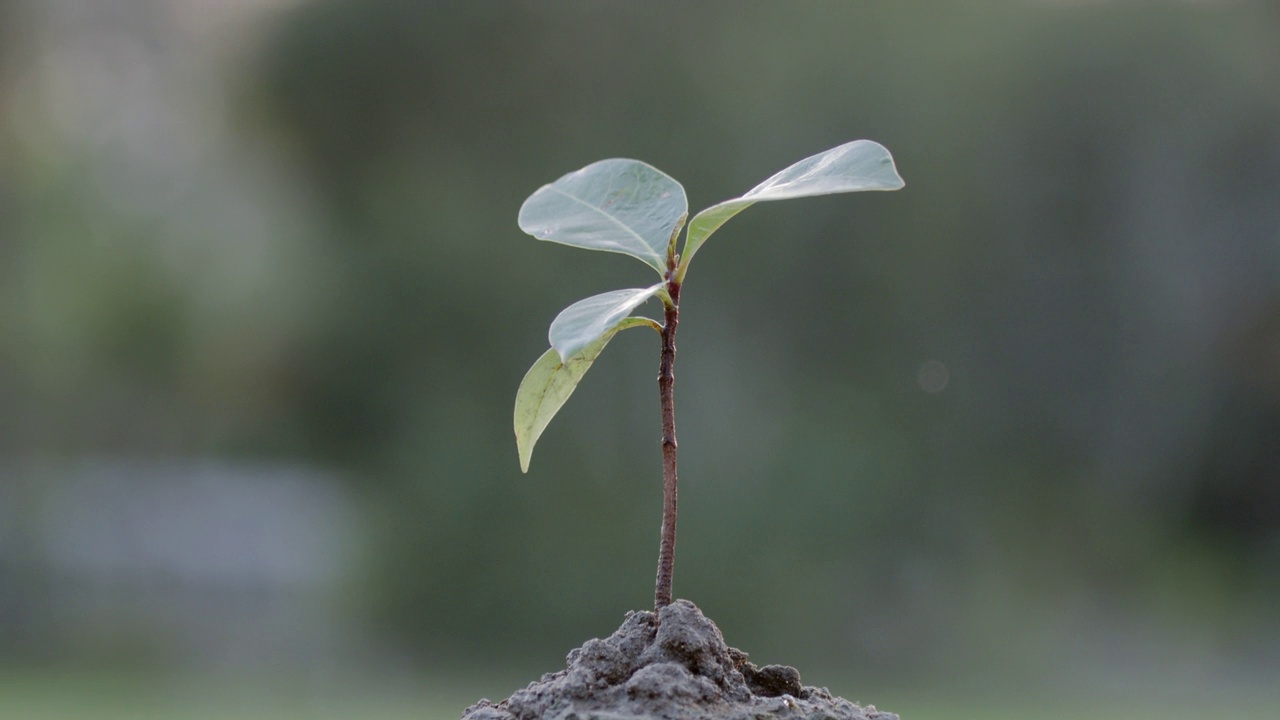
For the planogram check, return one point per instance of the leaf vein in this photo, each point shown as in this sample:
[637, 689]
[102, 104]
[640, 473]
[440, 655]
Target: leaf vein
[626, 228]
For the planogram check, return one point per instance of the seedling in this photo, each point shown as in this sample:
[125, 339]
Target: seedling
[630, 207]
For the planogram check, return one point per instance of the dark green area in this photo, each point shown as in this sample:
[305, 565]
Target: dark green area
[1088, 243]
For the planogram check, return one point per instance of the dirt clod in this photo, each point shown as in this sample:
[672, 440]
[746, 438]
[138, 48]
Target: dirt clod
[676, 666]
[774, 680]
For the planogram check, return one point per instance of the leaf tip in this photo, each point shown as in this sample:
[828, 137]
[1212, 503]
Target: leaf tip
[525, 450]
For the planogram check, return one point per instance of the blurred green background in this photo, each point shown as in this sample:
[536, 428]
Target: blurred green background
[1003, 444]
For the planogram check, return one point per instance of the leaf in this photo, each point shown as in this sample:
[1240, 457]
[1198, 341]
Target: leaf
[550, 382]
[583, 322]
[618, 205]
[852, 167]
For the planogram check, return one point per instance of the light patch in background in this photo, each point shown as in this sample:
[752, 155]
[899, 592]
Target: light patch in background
[206, 563]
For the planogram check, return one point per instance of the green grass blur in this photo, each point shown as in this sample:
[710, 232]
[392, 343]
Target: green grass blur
[63, 696]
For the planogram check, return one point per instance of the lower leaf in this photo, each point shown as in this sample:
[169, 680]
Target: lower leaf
[549, 383]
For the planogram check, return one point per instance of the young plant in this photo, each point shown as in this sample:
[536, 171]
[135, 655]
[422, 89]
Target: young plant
[630, 207]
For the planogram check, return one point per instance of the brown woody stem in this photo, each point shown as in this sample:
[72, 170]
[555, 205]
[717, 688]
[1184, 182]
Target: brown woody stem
[666, 391]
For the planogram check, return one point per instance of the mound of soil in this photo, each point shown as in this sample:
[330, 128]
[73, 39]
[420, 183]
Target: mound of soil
[675, 666]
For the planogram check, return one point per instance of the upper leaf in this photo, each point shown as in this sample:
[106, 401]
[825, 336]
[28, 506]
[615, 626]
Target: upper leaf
[618, 205]
[550, 382]
[854, 166]
[585, 321]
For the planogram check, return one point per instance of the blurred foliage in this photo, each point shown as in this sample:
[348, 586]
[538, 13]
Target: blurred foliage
[1088, 246]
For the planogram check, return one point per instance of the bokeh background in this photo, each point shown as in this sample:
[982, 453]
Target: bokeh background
[1003, 444]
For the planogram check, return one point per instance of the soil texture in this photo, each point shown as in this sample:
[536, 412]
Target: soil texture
[673, 665]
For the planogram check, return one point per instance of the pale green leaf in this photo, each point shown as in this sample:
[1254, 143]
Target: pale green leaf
[854, 166]
[583, 322]
[618, 205]
[550, 382]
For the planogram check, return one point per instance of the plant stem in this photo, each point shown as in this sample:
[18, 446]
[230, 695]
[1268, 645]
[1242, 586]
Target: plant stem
[666, 391]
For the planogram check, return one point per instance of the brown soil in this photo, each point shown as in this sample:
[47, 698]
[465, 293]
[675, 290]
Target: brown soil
[674, 666]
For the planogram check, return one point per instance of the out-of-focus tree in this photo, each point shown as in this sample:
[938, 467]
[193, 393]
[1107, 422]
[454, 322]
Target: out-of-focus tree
[1038, 408]
[1091, 220]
